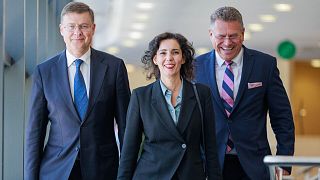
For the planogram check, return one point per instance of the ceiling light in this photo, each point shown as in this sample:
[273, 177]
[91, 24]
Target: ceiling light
[113, 50]
[145, 6]
[255, 27]
[283, 7]
[128, 43]
[138, 26]
[267, 18]
[135, 35]
[142, 17]
[315, 63]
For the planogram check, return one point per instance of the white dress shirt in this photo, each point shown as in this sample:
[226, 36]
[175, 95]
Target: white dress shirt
[236, 69]
[85, 70]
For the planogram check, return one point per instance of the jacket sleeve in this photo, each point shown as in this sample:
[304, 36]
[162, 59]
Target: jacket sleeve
[132, 140]
[280, 114]
[122, 100]
[36, 129]
[211, 154]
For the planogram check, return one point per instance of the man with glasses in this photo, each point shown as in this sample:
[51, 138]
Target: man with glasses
[80, 91]
[245, 85]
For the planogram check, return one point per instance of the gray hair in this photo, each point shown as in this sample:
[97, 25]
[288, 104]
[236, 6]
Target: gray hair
[226, 14]
[77, 7]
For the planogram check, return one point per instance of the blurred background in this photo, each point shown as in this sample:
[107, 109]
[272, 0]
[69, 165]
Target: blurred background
[29, 34]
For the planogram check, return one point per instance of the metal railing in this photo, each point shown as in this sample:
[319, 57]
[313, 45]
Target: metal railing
[274, 162]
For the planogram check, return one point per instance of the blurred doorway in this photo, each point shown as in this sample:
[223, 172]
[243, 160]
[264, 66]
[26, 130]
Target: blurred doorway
[306, 98]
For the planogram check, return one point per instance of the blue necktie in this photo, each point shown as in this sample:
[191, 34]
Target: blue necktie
[80, 91]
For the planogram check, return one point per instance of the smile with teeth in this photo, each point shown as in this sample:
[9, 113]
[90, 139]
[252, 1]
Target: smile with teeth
[227, 49]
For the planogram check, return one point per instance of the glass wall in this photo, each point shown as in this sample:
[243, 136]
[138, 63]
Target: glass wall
[29, 34]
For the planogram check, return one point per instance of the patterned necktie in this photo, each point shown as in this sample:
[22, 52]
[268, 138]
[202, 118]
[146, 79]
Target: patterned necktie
[80, 91]
[227, 96]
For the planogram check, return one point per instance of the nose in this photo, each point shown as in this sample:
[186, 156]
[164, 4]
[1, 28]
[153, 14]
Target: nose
[169, 57]
[77, 31]
[227, 40]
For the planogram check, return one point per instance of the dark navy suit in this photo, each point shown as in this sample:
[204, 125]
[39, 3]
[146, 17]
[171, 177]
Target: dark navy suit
[94, 137]
[247, 122]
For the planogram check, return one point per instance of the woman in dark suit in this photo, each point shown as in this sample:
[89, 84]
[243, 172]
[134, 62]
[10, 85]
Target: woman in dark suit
[168, 115]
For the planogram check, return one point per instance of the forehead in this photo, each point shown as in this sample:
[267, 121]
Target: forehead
[169, 44]
[77, 18]
[230, 26]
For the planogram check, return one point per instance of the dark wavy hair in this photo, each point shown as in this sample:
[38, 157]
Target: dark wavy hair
[187, 49]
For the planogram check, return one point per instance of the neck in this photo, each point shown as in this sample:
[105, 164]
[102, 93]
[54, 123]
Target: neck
[173, 84]
[77, 53]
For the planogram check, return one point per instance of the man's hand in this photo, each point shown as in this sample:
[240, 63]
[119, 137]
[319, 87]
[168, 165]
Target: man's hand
[281, 172]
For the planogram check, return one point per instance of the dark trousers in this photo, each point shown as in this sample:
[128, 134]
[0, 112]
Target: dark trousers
[232, 169]
[76, 171]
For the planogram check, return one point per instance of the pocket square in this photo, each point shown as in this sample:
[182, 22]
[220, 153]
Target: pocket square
[254, 85]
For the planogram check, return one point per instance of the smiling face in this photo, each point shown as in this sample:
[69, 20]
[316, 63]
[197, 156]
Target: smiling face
[226, 38]
[169, 59]
[77, 31]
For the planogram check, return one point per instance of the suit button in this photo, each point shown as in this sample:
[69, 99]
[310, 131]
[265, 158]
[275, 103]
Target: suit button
[77, 148]
[183, 146]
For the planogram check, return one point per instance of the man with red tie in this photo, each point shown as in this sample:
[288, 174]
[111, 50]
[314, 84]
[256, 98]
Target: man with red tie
[245, 86]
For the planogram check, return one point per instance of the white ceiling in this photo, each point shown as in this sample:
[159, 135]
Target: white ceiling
[114, 19]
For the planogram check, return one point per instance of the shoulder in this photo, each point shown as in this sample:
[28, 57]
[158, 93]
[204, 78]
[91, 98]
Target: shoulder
[258, 54]
[143, 90]
[202, 89]
[108, 58]
[201, 58]
[48, 63]
[261, 59]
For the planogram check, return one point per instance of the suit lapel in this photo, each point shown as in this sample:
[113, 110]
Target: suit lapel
[211, 70]
[62, 80]
[246, 70]
[159, 106]
[187, 107]
[98, 69]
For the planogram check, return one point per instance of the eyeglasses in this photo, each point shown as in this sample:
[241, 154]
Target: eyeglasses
[233, 37]
[82, 27]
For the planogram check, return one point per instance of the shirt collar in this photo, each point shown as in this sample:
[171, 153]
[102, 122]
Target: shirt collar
[85, 57]
[237, 61]
[165, 90]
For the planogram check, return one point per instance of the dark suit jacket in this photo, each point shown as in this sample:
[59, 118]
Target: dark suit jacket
[94, 138]
[247, 121]
[168, 149]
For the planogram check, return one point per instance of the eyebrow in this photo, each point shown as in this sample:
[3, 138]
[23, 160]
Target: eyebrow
[168, 50]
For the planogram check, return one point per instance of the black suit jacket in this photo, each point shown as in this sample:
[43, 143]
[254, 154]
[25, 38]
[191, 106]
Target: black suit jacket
[168, 149]
[94, 137]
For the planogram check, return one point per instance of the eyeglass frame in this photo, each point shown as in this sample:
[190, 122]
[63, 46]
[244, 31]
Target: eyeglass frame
[232, 37]
[71, 27]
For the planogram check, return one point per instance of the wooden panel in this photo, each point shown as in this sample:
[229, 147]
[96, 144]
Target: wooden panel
[305, 98]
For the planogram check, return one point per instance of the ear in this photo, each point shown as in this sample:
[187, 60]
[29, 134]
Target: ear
[243, 34]
[61, 29]
[154, 59]
[93, 28]
[210, 32]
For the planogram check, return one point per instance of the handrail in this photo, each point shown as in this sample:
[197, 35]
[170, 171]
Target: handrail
[285, 161]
